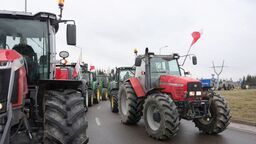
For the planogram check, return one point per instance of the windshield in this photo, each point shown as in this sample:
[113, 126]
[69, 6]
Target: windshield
[29, 38]
[125, 74]
[160, 66]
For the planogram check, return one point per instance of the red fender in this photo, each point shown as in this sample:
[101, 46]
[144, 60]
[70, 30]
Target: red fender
[137, 87]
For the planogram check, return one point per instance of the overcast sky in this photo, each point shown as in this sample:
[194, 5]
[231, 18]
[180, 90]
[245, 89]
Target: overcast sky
[109, 30]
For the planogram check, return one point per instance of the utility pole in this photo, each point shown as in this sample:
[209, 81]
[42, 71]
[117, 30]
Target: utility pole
[25, 5]
[218, 73]
[161, 48]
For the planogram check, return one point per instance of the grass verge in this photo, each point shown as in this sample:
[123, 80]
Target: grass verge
[243, 105]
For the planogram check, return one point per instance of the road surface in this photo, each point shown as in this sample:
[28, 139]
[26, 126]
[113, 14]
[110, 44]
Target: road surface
[105, 127]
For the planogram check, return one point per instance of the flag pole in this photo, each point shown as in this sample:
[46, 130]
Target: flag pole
[186, 55]
[196, 35]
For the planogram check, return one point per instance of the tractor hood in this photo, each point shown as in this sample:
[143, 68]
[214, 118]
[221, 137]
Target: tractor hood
[9, 55]
[176, 80]
[178, 86]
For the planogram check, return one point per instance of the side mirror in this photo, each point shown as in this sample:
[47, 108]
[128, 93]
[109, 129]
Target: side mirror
[137, 61]
[71, 34]
[194, 60]
[112, 71]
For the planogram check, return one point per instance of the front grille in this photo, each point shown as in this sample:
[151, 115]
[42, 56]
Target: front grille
[4, 87]
[15, 88]
[194, 86]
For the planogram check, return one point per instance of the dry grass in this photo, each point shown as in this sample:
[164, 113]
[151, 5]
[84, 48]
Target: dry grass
[243, 104]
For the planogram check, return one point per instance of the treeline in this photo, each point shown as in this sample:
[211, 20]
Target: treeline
[249, 80]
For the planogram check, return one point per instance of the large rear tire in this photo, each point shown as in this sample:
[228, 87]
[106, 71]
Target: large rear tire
[161, 116]
[64, 117]
[128, 104]
[114, 101]
[219, 119]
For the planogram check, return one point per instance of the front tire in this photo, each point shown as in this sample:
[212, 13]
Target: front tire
[128, 104]
[64, 117]
[161, 116]
[219, 119]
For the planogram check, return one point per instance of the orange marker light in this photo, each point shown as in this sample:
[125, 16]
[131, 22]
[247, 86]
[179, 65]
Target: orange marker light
[61, 3]
[135, 51]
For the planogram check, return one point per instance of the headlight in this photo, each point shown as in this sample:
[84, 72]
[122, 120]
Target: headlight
[191, 93]
[1, 106]
[198, 93]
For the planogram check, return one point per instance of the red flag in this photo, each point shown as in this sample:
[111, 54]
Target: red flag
[92, 68]
[196, 35]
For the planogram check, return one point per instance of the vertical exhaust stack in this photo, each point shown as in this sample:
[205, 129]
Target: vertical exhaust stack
[61, 5]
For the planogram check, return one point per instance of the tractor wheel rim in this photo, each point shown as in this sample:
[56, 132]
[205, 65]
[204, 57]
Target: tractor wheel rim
[124, 103]
[91, 100]
[98, 95]
[153, 124]
[87, 100]
[206, 120]
[112, 102]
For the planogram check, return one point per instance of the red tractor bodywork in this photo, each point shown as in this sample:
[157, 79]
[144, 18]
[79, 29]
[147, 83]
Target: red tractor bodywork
[62, 73]
[17, 64]
[8, 55]
[176, 86]
[137, 87]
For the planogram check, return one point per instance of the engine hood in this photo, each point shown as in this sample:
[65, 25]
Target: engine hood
[176, 80]
[178, 86]
[9, 55]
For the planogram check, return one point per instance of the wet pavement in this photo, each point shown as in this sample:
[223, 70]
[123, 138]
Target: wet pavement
[105, 127]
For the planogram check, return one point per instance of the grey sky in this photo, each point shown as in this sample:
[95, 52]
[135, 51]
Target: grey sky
[109, 30]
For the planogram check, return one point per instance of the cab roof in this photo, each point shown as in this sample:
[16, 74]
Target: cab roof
[27, 15]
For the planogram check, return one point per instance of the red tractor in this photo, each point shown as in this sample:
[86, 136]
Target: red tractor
[34, 106]
[163, 97]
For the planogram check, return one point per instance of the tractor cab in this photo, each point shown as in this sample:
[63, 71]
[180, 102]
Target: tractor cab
[29, 36]
[124, 73]
[119, 76]
[159, 65]
[164, 72]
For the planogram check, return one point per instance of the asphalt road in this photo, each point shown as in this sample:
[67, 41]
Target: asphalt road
[105, 127]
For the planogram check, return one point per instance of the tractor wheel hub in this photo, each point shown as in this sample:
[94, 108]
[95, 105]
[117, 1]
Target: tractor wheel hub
[156, 117]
